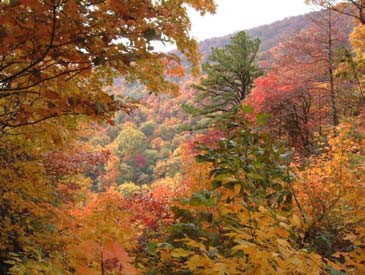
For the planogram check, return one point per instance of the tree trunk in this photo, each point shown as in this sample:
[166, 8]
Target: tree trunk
[335, 120]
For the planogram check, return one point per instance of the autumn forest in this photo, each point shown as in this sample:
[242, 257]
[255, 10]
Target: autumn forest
[242, 154]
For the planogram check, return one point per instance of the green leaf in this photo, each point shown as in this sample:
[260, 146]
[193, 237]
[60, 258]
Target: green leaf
[247, 109]
[262, 119]
[333, 271]
[151, 247]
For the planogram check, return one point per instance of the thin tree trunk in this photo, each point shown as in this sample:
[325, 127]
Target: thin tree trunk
[102, 263]
[335, 120]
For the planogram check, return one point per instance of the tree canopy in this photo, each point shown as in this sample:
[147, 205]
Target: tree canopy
[230, 74]
[57, 56]
[352, 8]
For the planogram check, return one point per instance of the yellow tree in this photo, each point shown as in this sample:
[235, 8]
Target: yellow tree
[330, 200]
[358, 65]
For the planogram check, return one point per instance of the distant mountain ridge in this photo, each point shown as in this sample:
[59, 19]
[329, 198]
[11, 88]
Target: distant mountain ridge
[272, 34]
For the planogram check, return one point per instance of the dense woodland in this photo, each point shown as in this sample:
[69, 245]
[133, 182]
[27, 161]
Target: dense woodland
[240, 155]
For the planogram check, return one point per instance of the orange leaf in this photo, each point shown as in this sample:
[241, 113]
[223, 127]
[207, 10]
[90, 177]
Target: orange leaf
[82, 270]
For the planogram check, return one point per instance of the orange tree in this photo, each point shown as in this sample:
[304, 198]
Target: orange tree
[50, 49]
[352, 8]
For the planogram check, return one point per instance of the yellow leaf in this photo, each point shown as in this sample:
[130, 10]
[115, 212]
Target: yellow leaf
[262, 209]
[195, 244]
[245, 247]
[221, 268]
[237, 188]
[295, 221]
[283, 243]
[226, 180]
[179, 252]
[195, 262]
[284, 225]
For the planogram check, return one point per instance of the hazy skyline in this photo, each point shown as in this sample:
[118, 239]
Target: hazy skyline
[236, 15]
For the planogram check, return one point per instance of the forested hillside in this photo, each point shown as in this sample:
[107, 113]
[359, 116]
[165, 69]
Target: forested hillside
[272, 34]
[118, 159]
[161, 120]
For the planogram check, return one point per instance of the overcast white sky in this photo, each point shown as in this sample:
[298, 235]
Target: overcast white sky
[235, 15]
